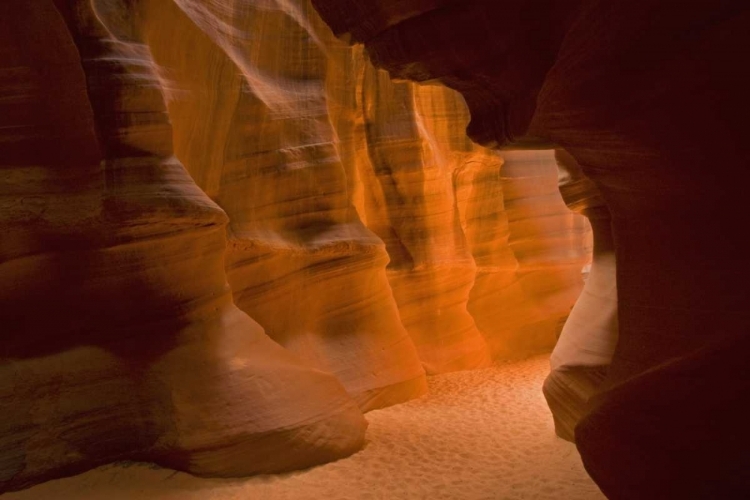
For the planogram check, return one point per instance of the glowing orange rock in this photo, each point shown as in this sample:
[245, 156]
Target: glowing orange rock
[121, 337]
[457, 267]
[652, 102]
[181, 178]
[256, 136]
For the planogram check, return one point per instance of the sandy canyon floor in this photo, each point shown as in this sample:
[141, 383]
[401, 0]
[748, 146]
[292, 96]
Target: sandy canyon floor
[484, 434]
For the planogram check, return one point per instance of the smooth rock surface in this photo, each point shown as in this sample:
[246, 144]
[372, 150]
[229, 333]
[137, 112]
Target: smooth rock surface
[651, 101]
[254, 132]
[122, 337]
[226, 235]
[478, 435]
[583, 353]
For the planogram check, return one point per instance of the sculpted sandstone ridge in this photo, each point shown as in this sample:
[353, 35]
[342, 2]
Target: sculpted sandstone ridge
[226, 235]
[121, 339]
[584, 351]
[651, 102]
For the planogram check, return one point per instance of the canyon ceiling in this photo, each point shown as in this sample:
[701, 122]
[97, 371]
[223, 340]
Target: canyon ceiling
[228, 232]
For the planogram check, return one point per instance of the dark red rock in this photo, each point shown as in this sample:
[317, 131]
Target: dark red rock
[651, 99]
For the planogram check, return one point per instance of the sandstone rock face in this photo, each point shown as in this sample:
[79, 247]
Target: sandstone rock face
[410, 203]
[122, 338]
[255, 135]
[472, 274]
[551, 245]
[582, 355]
[652, 103]
[226, 235]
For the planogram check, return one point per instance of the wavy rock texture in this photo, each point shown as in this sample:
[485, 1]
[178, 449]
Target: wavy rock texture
[398, 149]
[122, 338]
[411, 205]
[184, 179]
[584, 351]
[528, 248]
[469, 282]
[551, 245]
[652, 102]
[254, 133]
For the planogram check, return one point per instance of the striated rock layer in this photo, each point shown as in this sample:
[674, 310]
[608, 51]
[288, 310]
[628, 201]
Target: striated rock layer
[255, 134]
[226, 234]
[652, 103]
[122, 340]
[582, 355]
[551, 245]
[411, 205]
[468, 282]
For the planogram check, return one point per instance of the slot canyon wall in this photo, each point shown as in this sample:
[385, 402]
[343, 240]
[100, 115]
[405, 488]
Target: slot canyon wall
[650, 102]
[227, 235]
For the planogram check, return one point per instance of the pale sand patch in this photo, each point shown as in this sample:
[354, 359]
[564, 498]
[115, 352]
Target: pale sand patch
[483, 434]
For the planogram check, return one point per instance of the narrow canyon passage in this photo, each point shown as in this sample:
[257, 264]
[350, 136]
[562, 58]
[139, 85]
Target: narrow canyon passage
[248, 238]
[358, 244]
[478, 435]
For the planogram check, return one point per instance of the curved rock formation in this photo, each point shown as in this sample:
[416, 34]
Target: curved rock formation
[457, 266]
[409, 203]
[652, 103]
[182, 177]
[528, 249]
[551, 246]
[122, 338]
[256, 136]
[582, 355]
